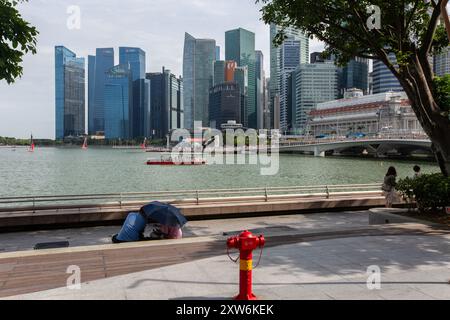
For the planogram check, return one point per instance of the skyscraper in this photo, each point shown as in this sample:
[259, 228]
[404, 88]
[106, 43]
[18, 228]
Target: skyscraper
[312, 84]
[167, 106]
[198, 72]
[290, 55]
[355, 75]
[225, 104]
[69, 93]
[219, 72]
[217, 52]
[292, 34]
[241, 78]
[104, 61]
[91, 93]
[141, 112]
[135, 57]
[240, 47]
[118, 101]
[442, 63]
[260, 89]
[383, 78]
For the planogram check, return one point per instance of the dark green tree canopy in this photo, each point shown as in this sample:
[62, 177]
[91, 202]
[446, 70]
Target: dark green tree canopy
[374, 29]
[406, 26]
[17, 38]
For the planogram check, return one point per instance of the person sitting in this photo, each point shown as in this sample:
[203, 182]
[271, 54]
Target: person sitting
[133, 229]
[167, 232]
[417, 171]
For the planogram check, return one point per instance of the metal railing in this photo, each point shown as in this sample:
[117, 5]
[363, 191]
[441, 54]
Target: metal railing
[186, 197]
[383, 138]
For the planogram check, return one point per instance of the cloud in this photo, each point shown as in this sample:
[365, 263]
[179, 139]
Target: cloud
[157, 26]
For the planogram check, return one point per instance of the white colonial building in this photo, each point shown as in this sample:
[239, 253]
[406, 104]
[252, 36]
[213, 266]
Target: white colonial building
[371, 115]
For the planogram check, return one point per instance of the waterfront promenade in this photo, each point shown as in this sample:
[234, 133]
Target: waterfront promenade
[319, 256]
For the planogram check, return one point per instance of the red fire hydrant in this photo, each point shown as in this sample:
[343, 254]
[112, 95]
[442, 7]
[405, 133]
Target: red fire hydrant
[246, 243]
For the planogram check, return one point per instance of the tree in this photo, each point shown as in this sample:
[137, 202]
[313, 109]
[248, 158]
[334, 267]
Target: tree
[408, 29]
[17, 38]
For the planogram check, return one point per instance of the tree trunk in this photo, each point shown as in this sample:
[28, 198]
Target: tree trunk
[435, 123]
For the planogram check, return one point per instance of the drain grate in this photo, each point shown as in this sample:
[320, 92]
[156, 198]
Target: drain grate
[52, 245]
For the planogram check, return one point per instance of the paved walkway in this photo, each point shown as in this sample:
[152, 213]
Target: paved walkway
[12, 242]
[412, 268]
[321, 256]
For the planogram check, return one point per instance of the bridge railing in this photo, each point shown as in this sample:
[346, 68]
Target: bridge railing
[393, 136]
[189, 197]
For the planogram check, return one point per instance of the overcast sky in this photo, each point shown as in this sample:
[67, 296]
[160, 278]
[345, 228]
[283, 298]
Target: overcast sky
[156, 26]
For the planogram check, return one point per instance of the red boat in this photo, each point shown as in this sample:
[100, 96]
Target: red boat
[169, 161]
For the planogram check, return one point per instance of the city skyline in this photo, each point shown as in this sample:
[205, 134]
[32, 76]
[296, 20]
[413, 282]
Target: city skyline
[34, 111]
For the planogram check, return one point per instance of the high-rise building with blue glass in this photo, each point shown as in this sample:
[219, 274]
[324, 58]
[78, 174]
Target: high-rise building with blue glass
[135, 57]
[292, 34]
[383, 78]
[141, 112]
[290, 55]
[240, 47]
[355, 75]
[118, 101]
[91, 93]
[217, 53]
[98, 67]
[69, 94]
[198, 72]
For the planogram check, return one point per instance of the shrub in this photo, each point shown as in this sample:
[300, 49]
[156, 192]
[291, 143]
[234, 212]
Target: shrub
[431, 192]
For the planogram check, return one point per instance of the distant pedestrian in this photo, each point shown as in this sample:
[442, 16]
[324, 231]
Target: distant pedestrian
[389, 185]
[417, 171]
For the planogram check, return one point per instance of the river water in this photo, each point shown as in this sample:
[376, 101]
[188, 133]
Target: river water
[61, 171]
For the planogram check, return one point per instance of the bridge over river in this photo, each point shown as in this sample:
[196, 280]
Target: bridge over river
[377, 146]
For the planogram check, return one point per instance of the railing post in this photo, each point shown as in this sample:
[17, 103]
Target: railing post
[267, 195]
[121, 200]
[198, 197]
[328, 192]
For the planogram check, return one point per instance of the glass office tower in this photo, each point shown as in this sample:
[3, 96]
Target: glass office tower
[198, 72]
[355, 75]
[312, 84]
[240, 47]
[441, 63]
[290, 54]
[69, 94]
[383, 78]
[260, 89]
[275, 56]
[104, 61]
[167, 107]
[135, 57]
[141, 112]
[91, 93]
[118, 98]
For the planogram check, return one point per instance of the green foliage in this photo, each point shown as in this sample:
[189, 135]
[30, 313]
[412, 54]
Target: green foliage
[442, 91]
[406, 26]
[17, 38]
[6, 141]
[431, 192]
